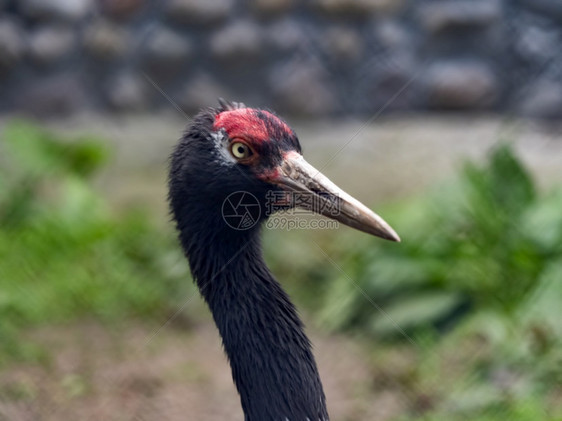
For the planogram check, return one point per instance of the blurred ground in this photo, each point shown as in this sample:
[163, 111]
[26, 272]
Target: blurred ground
[98, 374]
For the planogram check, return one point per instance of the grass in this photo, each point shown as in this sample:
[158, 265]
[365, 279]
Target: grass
[480, 263]
[65, 254]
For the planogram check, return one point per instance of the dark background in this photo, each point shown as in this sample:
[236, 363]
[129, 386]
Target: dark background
[318, 57]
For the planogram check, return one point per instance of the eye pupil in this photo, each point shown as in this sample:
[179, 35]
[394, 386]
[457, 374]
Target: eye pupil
[240, 150]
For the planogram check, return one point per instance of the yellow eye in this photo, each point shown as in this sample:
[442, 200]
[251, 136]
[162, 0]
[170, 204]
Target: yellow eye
[240, 150]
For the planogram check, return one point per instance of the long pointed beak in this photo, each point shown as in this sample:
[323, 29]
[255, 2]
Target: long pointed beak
[311, 190]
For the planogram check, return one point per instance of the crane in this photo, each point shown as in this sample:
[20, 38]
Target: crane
[254, 155]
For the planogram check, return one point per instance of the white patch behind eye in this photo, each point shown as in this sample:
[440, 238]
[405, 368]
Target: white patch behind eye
[222, 156]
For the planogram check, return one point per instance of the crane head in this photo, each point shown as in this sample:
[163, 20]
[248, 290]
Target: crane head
[236, 148]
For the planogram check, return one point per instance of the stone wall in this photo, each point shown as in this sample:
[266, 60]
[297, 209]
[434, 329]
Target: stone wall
[316, 57]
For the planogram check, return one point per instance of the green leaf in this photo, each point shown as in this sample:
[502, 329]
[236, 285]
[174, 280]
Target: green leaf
[511, 184]
[418, 310]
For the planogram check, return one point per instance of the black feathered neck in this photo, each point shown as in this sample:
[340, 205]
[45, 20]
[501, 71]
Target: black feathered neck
[270, 356]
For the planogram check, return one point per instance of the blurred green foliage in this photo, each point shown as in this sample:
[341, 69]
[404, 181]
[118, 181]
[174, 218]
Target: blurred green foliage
[480, 263]
[64, 253]
[486, 242]
[466, 310]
